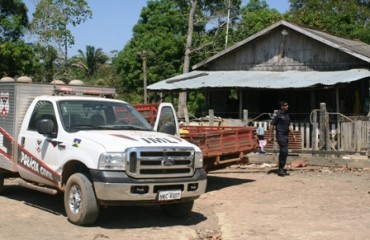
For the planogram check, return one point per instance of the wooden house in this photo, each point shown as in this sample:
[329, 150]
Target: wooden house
[284, 61]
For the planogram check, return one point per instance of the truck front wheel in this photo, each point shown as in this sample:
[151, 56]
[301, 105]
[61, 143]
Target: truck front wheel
[80, 202]
[177, 210]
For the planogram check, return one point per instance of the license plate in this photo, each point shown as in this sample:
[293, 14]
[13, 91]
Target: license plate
[169, 195]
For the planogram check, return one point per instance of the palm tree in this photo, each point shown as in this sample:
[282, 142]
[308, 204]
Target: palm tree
[91, 60]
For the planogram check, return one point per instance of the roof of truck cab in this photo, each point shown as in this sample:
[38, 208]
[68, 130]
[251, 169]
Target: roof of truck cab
[75, 98]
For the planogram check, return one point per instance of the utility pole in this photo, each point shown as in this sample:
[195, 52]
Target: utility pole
[144, 56]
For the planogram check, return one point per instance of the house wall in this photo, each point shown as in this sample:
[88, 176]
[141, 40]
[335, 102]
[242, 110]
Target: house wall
[262, 102]
[295, 51]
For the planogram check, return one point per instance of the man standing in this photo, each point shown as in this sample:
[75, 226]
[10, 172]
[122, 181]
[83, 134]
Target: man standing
[281, 123]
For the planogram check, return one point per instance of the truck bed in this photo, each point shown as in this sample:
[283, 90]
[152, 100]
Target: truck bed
[221, 145]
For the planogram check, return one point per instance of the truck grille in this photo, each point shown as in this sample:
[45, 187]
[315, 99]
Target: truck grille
[162, 162]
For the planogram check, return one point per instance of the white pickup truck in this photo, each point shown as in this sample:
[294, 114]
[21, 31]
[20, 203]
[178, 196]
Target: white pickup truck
[97, 150]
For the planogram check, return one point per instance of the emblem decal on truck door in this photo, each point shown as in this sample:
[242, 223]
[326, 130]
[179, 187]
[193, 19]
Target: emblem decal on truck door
[76, 142]
[4, 104]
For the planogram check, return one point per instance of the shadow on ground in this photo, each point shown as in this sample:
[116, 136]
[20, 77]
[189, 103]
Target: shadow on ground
[120, 217]
[218, 182]
[123, 216]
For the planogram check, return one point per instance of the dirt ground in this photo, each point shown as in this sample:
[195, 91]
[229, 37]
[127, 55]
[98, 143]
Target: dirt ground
[323, 203]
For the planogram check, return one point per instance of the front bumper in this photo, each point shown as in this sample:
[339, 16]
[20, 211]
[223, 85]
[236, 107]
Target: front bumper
[113, 187]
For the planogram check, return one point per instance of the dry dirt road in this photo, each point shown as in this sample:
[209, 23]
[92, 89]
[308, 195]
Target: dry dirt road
[307, 205]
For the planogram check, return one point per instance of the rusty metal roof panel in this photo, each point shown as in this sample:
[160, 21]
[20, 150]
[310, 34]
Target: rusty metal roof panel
[258, 79]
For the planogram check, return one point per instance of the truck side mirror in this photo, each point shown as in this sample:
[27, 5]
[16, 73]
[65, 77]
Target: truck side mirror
[168, 128]
[45, 126]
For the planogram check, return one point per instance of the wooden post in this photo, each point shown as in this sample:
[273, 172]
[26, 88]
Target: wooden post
[322, 126]
[245, 117]
[368, 138]
[314, 132]
[358, 135]
[186, 115]
[327, 132]
[368, 131]
[241, 111]
[211, 116]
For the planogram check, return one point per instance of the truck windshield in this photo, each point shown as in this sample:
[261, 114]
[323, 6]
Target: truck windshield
[100, 115]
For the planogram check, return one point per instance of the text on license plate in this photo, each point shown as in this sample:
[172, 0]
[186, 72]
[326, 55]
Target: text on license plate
[169, 195]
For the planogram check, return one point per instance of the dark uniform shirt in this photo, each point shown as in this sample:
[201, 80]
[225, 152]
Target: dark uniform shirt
[281, 121]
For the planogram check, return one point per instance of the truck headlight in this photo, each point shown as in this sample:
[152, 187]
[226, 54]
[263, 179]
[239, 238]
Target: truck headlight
[198, 160]
[112, 161]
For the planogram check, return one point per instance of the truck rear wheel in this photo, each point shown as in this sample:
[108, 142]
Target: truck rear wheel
[177, 210]
[80, 202]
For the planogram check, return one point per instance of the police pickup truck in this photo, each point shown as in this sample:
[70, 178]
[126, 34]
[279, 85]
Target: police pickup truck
[96, 150]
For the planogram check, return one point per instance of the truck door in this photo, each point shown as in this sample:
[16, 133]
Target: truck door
[38, 153]
[166, 120]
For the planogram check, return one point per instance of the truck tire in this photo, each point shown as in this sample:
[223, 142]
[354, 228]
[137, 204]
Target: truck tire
[1, 183]
[80, 201]
[177, 210]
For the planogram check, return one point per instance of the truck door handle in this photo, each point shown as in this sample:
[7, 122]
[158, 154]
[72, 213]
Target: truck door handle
[61, 145]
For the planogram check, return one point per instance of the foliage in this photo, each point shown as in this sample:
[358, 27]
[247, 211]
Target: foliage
[52, 18]
[221, 19]
[13, 20]
[161, 32]
[255, 16]
[344, 18]
[17, 59]
[90, 61]
[47, 56]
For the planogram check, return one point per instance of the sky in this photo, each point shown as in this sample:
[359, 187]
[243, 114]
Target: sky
[110, 27]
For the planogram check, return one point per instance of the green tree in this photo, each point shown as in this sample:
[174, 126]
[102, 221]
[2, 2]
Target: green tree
[13, 20]
[161, 32]
[16, 57]
[345, 18]
[47, 56]
[221, 17]
[90, 61]
[255, 16]
[52, 18]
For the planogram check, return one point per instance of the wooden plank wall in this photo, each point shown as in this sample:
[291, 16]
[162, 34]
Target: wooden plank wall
[354, 136]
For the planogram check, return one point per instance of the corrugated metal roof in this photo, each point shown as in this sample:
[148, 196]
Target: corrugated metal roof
[258, 79]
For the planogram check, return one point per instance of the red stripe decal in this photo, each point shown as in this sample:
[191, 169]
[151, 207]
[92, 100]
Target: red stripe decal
[29, 162]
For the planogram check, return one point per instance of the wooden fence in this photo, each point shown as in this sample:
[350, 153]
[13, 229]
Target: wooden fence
[350, 137]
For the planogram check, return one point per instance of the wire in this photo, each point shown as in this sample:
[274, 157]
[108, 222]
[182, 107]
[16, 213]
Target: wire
[254, 119]
[336, 113]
